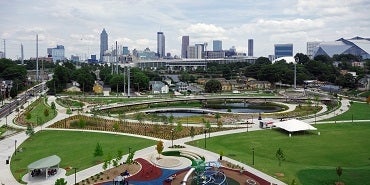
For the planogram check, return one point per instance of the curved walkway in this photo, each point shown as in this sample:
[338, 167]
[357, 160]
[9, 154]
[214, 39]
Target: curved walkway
[7, 149]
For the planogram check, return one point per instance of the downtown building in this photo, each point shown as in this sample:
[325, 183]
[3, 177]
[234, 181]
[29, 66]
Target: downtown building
[283, 50]
[250, 47]
[57, 53]
[184, 46]
[103, 44]
[161, 45]
[217, 45]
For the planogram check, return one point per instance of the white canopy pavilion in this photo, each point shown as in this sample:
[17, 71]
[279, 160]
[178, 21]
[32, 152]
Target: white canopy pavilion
[44, 164]
[294, 125]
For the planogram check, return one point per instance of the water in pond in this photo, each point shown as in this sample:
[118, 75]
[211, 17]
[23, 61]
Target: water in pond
[234, 107]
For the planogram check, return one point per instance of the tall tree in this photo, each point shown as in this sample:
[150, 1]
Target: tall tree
[60, 181]
[280, 155]
[159, 147]
[213, 86]
[339, 171]
[98, 150]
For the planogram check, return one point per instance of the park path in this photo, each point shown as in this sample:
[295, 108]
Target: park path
[8, 146]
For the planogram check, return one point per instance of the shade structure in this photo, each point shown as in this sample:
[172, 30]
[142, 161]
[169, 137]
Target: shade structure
[46, 162]
[294, 125]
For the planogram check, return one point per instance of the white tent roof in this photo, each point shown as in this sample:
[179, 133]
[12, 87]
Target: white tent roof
[294, 125]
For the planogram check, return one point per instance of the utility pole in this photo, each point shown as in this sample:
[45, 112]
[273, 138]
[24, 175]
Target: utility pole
[128, 81]
[37, 57]
[22, 55]
[4, 49]
[116, 58]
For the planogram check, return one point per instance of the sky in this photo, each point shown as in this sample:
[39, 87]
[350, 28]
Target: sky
[77, 24]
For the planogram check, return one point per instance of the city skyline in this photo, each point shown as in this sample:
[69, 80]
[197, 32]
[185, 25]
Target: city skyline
[77, 24]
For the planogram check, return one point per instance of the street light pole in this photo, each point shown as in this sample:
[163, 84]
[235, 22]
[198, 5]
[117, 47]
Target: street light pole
[75, 174]
[172, 137]
[205, 138]
[253, 156]
[15, 147]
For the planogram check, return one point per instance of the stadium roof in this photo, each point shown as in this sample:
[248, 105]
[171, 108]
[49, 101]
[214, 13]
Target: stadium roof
[357, 46]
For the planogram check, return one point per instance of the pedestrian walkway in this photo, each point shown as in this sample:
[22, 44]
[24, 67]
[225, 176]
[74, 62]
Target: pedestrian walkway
[8, 146]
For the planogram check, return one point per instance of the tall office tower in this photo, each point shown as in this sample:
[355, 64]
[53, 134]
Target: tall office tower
[217, 45]
[191, 52]
[199, 51]
[184, 46]
[310, 48]
[283, 50]
[125, 50]
[103, 44]
[161, 51]
[250, 47]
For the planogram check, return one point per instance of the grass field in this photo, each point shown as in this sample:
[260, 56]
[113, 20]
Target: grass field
[310, 158]
[37, 113]
[359, 111]
[74, 148]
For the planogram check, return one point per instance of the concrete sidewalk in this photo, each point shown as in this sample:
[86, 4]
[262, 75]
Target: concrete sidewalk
[7, 147]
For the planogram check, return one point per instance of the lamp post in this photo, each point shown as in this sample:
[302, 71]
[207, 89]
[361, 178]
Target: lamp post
[253, 156]
[15, 147]
[75, 174]
[205, 138]
[172, 137]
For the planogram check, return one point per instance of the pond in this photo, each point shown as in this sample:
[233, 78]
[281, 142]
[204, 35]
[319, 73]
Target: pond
[221, 107]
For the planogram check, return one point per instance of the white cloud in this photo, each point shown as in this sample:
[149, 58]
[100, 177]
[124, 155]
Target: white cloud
[77, 24]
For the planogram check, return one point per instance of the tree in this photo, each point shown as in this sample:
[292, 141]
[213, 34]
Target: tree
[13, 92]
[115, 126]
[280, 155]
[53, 107]
[217, 116]
[46, 112]
[117, 81]
[60, 181]
[98, 150]
[302, 58]
[119, 155]
[339, 171]
[30, 131]
[213, 86]
[140, 117]
[192, 132]
[179, 127]
[159, 147]
[171, 119]
[130, 157]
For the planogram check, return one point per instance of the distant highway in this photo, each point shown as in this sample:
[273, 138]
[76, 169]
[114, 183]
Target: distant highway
[21, 99]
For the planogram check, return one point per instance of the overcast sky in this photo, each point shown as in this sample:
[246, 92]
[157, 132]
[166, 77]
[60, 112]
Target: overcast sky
[77, 24]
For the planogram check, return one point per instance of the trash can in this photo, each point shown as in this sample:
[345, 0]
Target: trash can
[7, 161]
[261, 124]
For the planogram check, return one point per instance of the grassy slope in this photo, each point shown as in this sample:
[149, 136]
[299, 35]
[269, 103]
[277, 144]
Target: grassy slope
[74, 148]
[338, 145]
[360, 111]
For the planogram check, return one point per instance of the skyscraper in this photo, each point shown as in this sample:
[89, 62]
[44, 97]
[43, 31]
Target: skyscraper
[184, 46]
[283, 50]
[103, 44]
[217, 45]
[161, 51]
[250, 47]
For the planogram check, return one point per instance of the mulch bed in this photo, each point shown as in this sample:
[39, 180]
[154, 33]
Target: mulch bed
[148, 171]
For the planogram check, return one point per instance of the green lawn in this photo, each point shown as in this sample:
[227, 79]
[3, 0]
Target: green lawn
[359, 111]
[310, 158]
[74, 148]
[37, 113]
